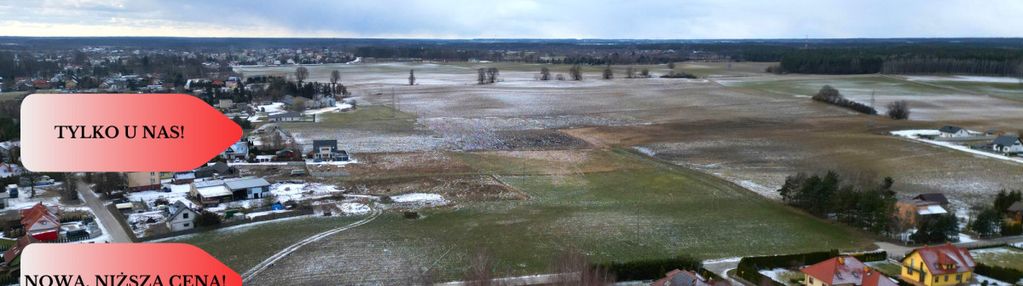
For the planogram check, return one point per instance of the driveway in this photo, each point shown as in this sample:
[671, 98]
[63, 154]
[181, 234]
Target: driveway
[110, 224]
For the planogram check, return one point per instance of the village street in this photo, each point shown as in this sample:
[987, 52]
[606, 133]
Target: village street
[110, 224]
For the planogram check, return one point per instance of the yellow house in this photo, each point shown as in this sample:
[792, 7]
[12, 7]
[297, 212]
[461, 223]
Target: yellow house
[940, 265]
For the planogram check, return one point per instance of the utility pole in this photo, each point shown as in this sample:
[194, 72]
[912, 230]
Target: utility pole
[872, 98]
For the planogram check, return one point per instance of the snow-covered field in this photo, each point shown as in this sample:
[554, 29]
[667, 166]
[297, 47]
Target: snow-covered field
[776, 274]
[304, 191]
[307, 162]
[177, 193]
[418, 200]
[989, 79]
[915, 135]
[278, 108]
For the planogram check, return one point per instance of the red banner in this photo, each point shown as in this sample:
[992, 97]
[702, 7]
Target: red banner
[141, 264]
[121, 132]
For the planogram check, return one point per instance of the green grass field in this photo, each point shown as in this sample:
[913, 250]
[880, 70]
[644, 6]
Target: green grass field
[640, 209]
[852, 85]
[12, 95]
[1004, 257]
[370, 117]
[242, 247]
[1012, 91]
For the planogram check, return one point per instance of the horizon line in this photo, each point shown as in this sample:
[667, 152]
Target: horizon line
[508, 38]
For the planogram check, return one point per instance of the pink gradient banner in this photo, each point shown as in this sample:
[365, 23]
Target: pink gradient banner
[123, 264]
[121, 132]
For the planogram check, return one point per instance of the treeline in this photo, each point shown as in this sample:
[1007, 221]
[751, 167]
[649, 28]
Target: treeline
[830, 62]
[831, 95]
[870, 207]
[923, 59]
[953, 66]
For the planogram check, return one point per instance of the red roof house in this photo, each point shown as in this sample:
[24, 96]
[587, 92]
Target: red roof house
[16, 249]
[844, 270]
[40, 223]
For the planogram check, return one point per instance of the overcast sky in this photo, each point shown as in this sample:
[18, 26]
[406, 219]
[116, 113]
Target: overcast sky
[634, 19]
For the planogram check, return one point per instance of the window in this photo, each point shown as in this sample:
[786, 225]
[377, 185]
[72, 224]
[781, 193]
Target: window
[946, 278]
[959, 277]
[184, 215]
[186, 224]
[811, 280]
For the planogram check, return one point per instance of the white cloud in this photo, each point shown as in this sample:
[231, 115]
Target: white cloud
[693, 19]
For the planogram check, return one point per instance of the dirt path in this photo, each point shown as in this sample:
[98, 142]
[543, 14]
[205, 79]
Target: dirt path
[110, 224]
[248, 275]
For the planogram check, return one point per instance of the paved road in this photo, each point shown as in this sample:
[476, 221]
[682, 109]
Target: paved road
[110, 224]
[722, 266]
[898, 251]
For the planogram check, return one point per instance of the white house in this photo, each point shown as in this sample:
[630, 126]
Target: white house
[181, 217]
[949, 131]
[1008, 144]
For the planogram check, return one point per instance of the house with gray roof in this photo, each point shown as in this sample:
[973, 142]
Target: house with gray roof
[248, 188]
[181, 217]
[1007, 144]
[949, 131]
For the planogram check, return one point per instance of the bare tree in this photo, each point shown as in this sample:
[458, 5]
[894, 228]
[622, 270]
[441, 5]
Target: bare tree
[575, 269]
[106, 183]
[33, 178]
[301, 73]
[411, 77]
[545, 73]
[671, 65]
[575, 72]
[481, 76]
[481, 269]
[898, 110]
[630, 72]
[492, 75]
[644, 73]
[608, 73]
[335, 77]
[69, 191]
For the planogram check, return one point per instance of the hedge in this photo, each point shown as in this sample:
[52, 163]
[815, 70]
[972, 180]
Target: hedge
[651, 269]
[1009, 229]
[871, 256]
[1001, 273]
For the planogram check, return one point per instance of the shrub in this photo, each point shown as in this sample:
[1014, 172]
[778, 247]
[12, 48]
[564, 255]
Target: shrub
[674, 74]
[831, 95]
[998, 272]
[898, 110]
[207, 218]
[871, 256]
[650, 269]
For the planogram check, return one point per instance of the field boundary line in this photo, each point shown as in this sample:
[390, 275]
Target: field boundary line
[248, 275]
